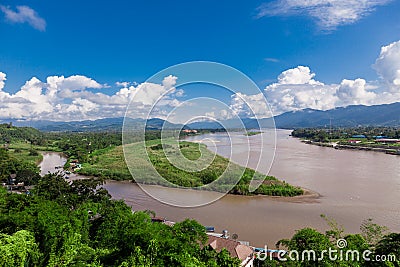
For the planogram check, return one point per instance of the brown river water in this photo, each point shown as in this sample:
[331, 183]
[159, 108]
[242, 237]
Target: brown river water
[353, 186]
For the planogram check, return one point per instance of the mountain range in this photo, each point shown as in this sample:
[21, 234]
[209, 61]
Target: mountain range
[350, 116]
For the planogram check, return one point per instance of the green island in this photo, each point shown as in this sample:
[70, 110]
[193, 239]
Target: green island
[100, 154]
[251, 133]
[76, 223]
[110, 163]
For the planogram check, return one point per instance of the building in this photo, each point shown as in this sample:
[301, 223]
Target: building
[359, 136]
[235, 248]
[189, 131]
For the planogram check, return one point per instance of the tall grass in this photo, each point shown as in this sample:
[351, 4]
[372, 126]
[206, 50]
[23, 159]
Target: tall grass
[183, 164]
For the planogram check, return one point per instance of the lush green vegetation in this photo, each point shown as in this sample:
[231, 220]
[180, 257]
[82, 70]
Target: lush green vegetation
[78, 224]
[83, 146]
[372, 237]
[365, 137]
[61, 223]
[340, 134]
[110, 163]
[107, 163]
[21, 163]
[102, 156]
[251, 133]
[9, 134]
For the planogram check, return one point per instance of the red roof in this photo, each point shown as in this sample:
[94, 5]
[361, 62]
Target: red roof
[234, 248]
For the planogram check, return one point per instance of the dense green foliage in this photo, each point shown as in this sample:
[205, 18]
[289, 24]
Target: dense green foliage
[9, 133]
[102, 156]
[20, 164]
[308, 247]
[83, 145]
[78, 224]
[326, 134]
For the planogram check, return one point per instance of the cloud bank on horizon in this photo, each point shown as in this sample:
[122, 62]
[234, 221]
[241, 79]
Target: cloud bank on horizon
[297, 89]
[69, 98]
[328, 14]
[79, 97]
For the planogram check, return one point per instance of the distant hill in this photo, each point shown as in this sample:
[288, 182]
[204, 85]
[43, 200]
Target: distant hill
[229, 124]
[350, 116]
[108, 124]
[10, 133]
[357, 115]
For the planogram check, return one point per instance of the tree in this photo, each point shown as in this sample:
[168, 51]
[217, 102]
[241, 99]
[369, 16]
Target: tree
[53, 187]
[389, 244]
[372, 232]
[336, 231]
[28, 177]
[19, 249]
[308, 239]
[224, 259]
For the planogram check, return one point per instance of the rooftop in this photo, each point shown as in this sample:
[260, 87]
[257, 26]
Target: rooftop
[235, 248]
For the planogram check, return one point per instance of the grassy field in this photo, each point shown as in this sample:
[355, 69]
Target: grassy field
[184, 164]
[25, 152]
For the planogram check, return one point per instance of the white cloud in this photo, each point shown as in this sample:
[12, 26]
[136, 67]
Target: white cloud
[297, 89]
[388, 65]
[68, 98]
[355, 93]
[24, 14]
[149, 93]
[2, 79]
[271, 59]
[224, 114]
[250, 105]
[298, 75]
[210, 114]
[329, 14]
[294, 97]
[73, 98]
[122, 84]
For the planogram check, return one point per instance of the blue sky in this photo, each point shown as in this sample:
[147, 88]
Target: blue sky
[102, 42]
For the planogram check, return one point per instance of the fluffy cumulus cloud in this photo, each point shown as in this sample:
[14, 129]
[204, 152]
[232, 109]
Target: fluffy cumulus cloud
[250, 105]
[354, 92]
[388, 65]
[2, 80]
[24, 14]
[79, 97]
[299, 75]
[329, 14]
[297, 89]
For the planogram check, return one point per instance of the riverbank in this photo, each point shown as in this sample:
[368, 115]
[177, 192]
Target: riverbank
[348, 192]
[148, 165]
[336, 145]
[53, 159]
